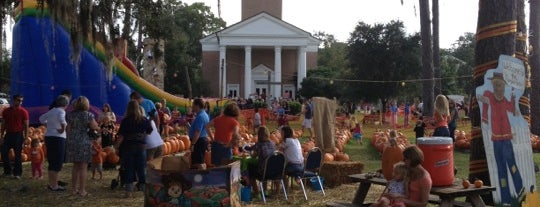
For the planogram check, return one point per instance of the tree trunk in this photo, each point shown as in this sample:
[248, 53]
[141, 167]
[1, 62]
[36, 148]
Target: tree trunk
[188, 82]
[436, 52]
[521, 53]
[126, 31]
[534, 61]
[427, 59]
[489, 46]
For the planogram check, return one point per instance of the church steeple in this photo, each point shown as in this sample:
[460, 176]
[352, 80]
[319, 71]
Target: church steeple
[253, 7]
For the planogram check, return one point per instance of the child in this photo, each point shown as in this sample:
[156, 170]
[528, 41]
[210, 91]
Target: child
[357, 133]
[420, 127]
[282, 121]
[257, 120]
[97, 160]
[396, 188]
[441, 116]
[37, 157]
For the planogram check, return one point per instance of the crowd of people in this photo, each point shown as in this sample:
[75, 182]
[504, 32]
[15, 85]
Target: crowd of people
[75, 135]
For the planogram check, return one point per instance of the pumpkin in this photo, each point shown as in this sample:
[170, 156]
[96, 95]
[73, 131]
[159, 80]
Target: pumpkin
[390, 156]
[113, 158]
[342, 157]
[11, 155]
[328, 157]
[180, 145]
[185, 139]
[24, 157]
[103, 155]
[478, 183]
[466, 183]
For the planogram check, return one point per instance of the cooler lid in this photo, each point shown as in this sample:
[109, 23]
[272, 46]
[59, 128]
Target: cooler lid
[434, 140]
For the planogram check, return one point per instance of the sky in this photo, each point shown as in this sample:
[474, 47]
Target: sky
[339, 17]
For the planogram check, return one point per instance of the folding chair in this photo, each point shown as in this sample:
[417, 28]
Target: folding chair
[274, 168]
[312, 169]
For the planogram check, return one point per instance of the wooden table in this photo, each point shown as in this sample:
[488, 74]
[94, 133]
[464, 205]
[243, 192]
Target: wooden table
[446, 194]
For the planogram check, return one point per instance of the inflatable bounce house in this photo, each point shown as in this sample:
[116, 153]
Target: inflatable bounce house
[42, 68]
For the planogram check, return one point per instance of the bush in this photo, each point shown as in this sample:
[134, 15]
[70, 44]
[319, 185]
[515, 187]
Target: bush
[260, 104]
[294, 107]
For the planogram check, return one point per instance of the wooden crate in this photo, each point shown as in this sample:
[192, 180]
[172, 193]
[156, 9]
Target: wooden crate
[337, 172]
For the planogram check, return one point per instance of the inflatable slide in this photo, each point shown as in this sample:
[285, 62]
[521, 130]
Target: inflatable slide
[42, 67]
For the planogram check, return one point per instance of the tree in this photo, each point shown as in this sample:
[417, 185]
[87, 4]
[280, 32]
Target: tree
[187, 24]
[487, 51]
[534, 61]
[383, 54]
[427, 59]
[436, 50]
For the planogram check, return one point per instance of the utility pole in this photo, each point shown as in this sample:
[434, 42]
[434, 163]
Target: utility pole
[268, 91]
[221, 71]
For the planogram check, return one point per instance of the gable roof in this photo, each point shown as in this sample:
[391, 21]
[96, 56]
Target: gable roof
[262, 29]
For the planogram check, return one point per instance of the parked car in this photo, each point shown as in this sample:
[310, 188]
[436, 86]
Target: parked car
[4, 103]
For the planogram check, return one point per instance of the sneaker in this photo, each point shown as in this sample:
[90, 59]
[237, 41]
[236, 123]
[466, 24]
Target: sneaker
[58, 188]
[17, 177]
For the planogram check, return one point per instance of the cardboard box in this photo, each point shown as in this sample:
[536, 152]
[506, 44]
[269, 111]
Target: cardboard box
[170, 182]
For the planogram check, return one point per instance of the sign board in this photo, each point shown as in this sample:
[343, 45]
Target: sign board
[505, 132]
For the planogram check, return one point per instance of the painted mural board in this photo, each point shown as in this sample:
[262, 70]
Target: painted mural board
[505, 132]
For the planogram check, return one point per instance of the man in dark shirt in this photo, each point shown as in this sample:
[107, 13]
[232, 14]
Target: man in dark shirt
[15, 128]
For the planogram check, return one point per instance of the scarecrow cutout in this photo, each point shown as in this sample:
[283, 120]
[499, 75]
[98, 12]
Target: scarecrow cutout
[505, 132]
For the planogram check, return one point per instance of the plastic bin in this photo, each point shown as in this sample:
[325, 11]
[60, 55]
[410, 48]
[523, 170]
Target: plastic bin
[438, 159]
[315, 184]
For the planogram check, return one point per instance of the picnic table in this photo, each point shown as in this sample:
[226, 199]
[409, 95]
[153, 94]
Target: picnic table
[444, 196]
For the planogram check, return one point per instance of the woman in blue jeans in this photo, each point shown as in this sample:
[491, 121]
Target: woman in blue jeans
[131, 138]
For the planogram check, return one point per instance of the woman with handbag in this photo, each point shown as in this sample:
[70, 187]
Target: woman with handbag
[81, 132]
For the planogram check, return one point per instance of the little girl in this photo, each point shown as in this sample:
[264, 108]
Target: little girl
[357, 133]
[97, 160]
[395, 188]
[440, 117]
[37, 156]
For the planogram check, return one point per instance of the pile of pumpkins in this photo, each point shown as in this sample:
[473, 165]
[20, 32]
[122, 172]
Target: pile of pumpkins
[176, 143]
[337, 154]
[380, 140]
[463, 140]
[33, 133]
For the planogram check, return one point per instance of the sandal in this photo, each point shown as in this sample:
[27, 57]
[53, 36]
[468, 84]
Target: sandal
[84, 194]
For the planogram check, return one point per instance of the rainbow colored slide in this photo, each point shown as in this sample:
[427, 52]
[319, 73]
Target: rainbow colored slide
[42, 67]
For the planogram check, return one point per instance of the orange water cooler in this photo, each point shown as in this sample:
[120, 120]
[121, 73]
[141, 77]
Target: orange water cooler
[438, 159]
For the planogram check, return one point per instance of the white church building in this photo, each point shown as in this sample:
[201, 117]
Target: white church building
[238, 60]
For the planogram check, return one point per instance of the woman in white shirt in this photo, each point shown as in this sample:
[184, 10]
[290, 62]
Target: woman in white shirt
[55, 139]
[293, 152]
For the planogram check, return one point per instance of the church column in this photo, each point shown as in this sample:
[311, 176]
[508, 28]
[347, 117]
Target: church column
[302, 72]
[247, 72]
[223, 71]
[277, 71]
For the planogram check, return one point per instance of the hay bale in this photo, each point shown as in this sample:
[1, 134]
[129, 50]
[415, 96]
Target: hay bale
[337, 172]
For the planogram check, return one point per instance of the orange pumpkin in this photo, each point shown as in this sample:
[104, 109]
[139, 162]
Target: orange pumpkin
[478, 183]
[185, 139]
[112, 158]
[328, 157]
[466, 183]
[11, 155]
[24, 157]
[342, 157]
[180, 145]
[390, 156]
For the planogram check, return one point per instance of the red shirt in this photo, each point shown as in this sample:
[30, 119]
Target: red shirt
[500, 124]
[14, 119]
[224, 128]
